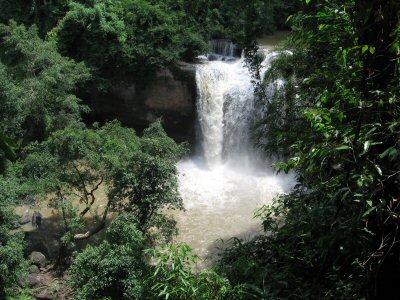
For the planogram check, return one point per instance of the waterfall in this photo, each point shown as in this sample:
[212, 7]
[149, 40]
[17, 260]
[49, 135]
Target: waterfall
[227, 110]
[223, 47]
[224, 184]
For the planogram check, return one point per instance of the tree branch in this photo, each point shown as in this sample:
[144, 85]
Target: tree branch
[83, 184]
[99, 227]
[87, 208]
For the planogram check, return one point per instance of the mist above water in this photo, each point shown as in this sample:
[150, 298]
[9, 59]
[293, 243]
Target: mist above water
[228, 180]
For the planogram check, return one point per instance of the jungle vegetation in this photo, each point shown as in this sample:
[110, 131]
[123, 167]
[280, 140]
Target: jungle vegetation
[335, 124]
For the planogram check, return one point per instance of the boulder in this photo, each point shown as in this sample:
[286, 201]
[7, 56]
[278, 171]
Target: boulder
[26, 218]
[212, 57]
[33, 269]
[37, 258]
[34, 280]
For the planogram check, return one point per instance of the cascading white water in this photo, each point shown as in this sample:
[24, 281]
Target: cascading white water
[225, 104]
[211, 88]
[224, 185]
[227, 110]
[223, 47]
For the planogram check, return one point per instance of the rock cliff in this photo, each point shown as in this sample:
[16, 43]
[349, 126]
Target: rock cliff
[170, 95]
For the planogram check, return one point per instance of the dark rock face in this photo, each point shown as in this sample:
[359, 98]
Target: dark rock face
[170, 95]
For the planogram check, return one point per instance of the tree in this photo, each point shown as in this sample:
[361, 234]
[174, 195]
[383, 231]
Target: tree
[73, 164]
[42, 13]
[139, 174]
[175, 277]
[36, 86]
[148, 184]
[115, 268]
[12, 262]
[123, 39]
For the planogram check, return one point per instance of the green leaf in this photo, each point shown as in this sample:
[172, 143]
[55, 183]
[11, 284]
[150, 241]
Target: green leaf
[369, 211]
[378, 169]
[327, 118]
[322, 27]
[391, 152]
[371, 50]
[366, 145]
[343, 147]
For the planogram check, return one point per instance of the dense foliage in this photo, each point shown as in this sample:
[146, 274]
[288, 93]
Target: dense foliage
[337, 120]
[176, 276]
[37, 85]
[116, 268]
[12, 260]
[139, 175]
[130, 39]
[334, 122]
[48, 50]
[147, 185]
[36, 99]
[124, 38]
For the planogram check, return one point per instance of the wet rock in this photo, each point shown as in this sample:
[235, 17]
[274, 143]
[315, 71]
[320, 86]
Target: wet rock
[26, 218]
[43, 296]
[38, 258]
[29, 200]
[16, 225]
[212, 57]
[34, 269]
[34, 280]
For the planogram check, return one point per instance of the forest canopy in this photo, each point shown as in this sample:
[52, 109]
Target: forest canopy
[133, 38]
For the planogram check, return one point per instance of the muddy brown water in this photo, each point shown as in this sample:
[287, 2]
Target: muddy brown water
[46, 237]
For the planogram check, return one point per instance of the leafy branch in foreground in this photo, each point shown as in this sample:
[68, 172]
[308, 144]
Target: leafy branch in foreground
[175, 277]
[336, 235]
